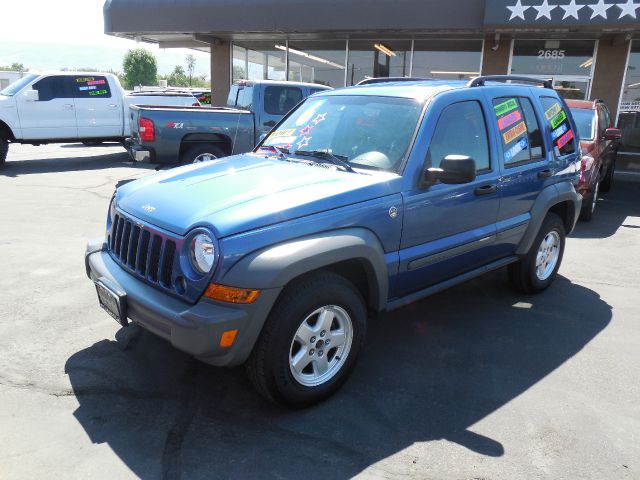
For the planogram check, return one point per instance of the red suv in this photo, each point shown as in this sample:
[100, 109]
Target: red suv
[599, 142]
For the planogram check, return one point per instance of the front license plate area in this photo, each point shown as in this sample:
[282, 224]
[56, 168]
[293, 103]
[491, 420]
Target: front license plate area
[112, 301]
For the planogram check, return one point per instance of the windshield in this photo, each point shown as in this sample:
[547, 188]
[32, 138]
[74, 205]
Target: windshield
[585, 120]
[15, 87]
[365, 131]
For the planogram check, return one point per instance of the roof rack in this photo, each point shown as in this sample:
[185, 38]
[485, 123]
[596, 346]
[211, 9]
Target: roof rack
[369, 81]
[480, 81]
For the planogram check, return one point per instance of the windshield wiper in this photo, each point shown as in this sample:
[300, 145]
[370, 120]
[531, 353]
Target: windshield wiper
[338, 160]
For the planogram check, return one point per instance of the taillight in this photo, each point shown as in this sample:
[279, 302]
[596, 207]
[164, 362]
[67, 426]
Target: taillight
[146, 129]
[197, 104]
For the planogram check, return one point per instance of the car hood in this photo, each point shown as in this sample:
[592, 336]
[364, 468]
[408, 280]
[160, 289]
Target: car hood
[245, 192]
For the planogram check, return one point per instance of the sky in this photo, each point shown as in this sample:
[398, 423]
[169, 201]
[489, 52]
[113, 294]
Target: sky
[49, 35]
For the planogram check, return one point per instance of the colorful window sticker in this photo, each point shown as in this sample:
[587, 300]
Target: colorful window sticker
[96, 82]
[553, 111]
[558, 119]
[98, 92]
[84, 89]
[84, 79]
[283, 133]
[509, 120]
[510, 135]
[562, 129]
[566, 138]
[516, 149]
[505, 107]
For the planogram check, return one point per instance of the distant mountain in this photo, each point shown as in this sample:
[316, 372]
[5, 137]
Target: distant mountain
[55, 56]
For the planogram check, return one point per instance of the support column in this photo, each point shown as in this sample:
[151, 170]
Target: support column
[610, 64]
[496, 62]
[220, 72]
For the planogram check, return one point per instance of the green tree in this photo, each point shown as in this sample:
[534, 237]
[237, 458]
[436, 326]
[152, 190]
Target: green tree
[191, 66]
[14, 67]
[177, 78]
[140, 68]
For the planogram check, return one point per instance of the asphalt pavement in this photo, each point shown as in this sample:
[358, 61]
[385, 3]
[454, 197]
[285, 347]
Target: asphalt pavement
[478, 382]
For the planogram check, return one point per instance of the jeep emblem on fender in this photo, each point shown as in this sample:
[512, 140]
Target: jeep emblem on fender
[148, 208]
[393, 212]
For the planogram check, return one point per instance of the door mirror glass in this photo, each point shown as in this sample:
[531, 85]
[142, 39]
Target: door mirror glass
[612, 134]
[31, 96]
[454, 169]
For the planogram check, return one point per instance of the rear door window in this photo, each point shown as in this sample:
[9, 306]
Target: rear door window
[520, 134]
[279, 100]
[50, 88]
[562, 135]
[91, 87]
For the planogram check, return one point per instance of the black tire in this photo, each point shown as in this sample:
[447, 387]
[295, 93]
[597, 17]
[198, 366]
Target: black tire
[589, 204]
[523, 274]
[607, 181]
[191, 154]
[268, 367]
[4, 151]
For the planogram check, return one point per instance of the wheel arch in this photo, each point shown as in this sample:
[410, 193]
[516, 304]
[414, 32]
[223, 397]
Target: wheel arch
[191, 139]
[6, 132]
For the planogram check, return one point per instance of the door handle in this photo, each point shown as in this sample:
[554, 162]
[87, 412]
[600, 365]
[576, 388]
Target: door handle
[113, 105]
[272, 123]
[545, 173]
[67, 106]
[486, 190]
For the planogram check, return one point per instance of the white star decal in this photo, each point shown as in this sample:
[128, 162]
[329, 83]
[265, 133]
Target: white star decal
[304, 142]
[571, 10]
[628, 8]
[517, 11]
[600, 9]
[544, 10]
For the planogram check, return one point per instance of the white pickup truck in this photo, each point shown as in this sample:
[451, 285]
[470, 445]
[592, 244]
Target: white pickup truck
[72, 106]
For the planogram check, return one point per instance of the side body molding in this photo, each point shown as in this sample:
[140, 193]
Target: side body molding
[275, 266]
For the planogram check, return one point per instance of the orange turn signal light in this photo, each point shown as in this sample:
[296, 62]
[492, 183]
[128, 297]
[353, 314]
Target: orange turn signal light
[228, 338]
[231, 294]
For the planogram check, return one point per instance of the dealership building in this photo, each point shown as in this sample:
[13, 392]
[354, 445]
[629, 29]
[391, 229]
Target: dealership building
[590, 48]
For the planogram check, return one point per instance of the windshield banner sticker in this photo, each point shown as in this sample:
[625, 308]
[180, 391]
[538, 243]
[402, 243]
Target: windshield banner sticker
[553, 111]
[516, 149]
[283, 133]
[559, 131]
[505, 107]
[558, 119]
[509, 120]
[514, 133]
[566, 138]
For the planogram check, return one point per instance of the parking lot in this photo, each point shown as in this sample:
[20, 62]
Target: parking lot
[477, 382]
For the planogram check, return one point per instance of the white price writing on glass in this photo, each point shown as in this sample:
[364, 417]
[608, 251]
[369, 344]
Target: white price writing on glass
[551, 54]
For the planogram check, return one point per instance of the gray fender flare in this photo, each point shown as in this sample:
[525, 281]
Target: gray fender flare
[550, 196]
[277, 265]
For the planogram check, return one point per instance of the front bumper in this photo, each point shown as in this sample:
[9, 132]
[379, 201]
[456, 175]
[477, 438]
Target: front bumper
[195, 329]
[137, 152]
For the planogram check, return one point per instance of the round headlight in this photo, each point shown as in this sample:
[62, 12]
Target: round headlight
[203, 253]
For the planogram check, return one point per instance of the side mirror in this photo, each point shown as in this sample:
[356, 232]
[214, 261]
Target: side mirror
[31, 95]
[612, 134]
[454, 169]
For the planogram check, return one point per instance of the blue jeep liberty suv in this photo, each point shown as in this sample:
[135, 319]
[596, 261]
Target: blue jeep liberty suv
[360, 200]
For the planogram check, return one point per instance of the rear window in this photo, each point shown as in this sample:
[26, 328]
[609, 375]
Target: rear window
[280, 100]
[91, 87]
[564, 138]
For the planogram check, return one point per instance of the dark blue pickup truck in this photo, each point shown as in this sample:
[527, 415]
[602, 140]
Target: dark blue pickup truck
[361, 200]
[194, 134]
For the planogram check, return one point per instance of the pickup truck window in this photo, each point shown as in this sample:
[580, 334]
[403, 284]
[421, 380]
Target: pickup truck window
[91, 87]
[369, 132]
[461, 130]
[278, 100]
[50, 88]
[520, 134]
[18, 85]
[245, 98]
[564, 139]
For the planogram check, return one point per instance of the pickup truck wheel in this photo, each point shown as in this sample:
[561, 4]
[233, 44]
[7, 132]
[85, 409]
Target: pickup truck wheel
[310, 342]
[537, 270]
[4, 150]
[201, 152]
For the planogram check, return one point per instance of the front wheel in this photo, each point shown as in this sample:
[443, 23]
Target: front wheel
[589, 207]
[537, 270]
[310, 342]
[607, 181]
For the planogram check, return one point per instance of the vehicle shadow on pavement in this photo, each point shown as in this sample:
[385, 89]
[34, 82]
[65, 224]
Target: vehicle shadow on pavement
[429, 372]
[612, 212]
[19, 168]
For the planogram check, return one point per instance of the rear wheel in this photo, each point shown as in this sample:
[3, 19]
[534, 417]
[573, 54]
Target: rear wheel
[201, 152]
[537, 270]
[589, 207]
[607, 181]
[4, 150]
[310, 342]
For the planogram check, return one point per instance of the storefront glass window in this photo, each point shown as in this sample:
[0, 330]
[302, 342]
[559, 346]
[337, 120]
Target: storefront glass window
[447, 59]
[553, 57]
[319, 62]
[631, 92]
[259, 61]
[378, 58]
